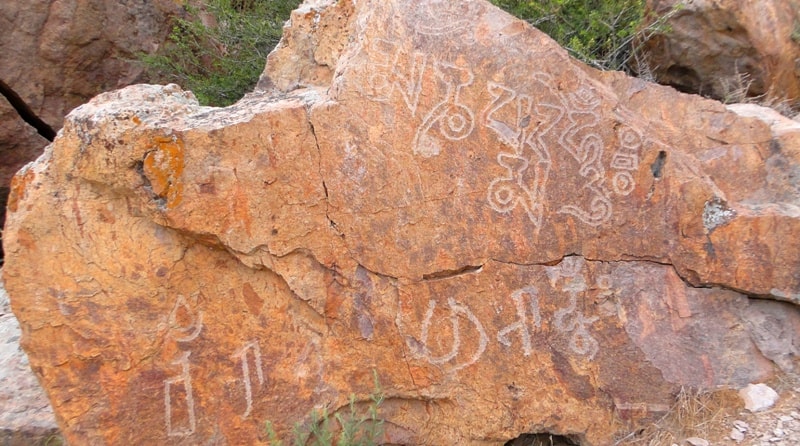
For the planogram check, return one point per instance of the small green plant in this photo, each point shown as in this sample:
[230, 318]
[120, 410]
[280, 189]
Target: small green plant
[54, 440]
[350, 429]
[596, 32]
[796, 32]
[219, 48]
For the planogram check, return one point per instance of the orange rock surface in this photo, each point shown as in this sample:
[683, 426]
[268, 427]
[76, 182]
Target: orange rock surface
[433, 191]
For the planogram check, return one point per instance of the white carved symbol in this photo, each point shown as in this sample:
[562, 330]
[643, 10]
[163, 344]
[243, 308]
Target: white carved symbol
[568, 320]
[454, 120]
[242, 355]
[521, 324]
[421, 349]
[600, 208]
[626, 159]
[385, 76]
[510, 116]
[586, 147]
[185, 323]
[184, 382]
[441, 17]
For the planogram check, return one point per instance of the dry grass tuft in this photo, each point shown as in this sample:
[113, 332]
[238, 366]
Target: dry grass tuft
[737, 90]
[694, 414]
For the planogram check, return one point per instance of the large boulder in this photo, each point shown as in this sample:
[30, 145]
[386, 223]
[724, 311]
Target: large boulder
[726, 49]
[433, 191]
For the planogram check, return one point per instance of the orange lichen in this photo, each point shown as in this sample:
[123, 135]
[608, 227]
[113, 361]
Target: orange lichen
[18, 185]
[163, 167]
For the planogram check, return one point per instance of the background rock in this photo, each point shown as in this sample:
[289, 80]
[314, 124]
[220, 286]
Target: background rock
[728, 50]
[20, 144]
[57, 54]
[510, 240]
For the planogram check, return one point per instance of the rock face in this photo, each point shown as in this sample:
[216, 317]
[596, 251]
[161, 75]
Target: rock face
[728, 49]
[25, 414]
[433, 191]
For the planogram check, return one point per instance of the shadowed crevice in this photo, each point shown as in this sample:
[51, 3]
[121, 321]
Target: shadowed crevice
[24, 111]
[543, 439]
[446, 274]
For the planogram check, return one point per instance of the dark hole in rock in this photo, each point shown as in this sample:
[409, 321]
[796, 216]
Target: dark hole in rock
[542, 439]
[683, 79]
[4, 192]
[658, 164]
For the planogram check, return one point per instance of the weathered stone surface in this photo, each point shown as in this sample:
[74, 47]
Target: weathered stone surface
[512, 241]
[25, 414]
[727, 49]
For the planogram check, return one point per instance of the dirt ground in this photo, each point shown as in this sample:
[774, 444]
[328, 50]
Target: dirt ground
[720, 418]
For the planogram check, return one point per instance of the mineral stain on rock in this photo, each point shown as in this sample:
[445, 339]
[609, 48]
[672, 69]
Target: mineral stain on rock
[518, 241]
[163, 168]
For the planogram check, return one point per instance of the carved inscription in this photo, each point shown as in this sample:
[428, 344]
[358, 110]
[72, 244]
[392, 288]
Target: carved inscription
[462, 337]
[513, 117]
[581, 139]
[185, 325]
[442, 17]
[529, 296]
[184, 322]
[250, 349]
[451, 118]
[420, 348]
[569, 320]
[396, 71]
[537, 124]
[626, 160]
[180, 415]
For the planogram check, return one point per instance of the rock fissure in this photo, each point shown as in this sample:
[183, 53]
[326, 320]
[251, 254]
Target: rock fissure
[447, 274]
[640, 260]
[26, 113]
[332, 223]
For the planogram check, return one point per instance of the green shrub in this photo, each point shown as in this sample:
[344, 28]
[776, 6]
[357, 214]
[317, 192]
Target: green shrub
[597, 32]
[221, 61]
[354, 428]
